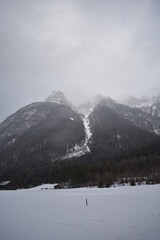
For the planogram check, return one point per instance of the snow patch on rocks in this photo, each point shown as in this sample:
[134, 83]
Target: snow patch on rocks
[83, 148]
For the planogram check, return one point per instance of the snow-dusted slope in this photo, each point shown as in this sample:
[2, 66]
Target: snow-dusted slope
[149, 105]
[114, 134]
[83, 148]
[87, 131]
[145, 115]
[89, 106]
[37, 132]
[24, 125]
[21, 121]
[137, 116]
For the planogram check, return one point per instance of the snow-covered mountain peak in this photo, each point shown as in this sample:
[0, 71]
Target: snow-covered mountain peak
[147, 104]
[88, 107]
[57, 97]
[142, 101]
[97, 98]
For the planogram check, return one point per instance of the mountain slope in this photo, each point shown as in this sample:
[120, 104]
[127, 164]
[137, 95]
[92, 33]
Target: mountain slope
[42, 140]
[116, 135]
[138, 117]
[149, 105]
[39, 133]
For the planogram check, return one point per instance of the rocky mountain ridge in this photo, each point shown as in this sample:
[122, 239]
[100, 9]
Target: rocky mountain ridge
[54, 131]
[147, 104]
[29, 116]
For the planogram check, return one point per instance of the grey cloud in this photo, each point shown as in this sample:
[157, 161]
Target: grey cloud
[80, 47]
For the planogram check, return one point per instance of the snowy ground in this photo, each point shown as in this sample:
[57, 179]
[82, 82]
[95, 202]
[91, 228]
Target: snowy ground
[131, 213]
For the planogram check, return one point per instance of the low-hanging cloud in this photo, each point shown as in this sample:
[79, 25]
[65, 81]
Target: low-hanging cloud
[81, 47]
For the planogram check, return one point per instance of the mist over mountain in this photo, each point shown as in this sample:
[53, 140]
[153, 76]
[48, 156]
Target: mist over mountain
[147, 104]
[80, 47]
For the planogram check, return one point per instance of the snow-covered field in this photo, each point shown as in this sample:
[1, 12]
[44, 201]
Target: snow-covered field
[131, 213]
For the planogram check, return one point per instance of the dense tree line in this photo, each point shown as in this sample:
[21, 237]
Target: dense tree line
[88, 171]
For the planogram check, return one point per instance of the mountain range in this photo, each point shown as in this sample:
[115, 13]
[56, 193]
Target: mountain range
[56, 131]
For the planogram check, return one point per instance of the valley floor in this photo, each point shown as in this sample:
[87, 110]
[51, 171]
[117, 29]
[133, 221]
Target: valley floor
[131, 213]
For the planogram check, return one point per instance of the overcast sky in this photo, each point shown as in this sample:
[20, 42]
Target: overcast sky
[81, 47]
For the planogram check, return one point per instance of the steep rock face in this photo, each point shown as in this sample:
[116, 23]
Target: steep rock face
[138, 117]
[38, 133]
[116, 135]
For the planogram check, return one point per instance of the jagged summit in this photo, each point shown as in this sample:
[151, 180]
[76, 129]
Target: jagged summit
[88, 107]
[99, 97]
[147, 104]
[57, 97]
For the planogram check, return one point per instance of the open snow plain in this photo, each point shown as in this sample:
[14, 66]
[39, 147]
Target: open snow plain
[131, 213]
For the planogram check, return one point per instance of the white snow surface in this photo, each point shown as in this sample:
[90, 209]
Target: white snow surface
[131, 213]
[87, 131]
[42, 187]
[118, 136]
